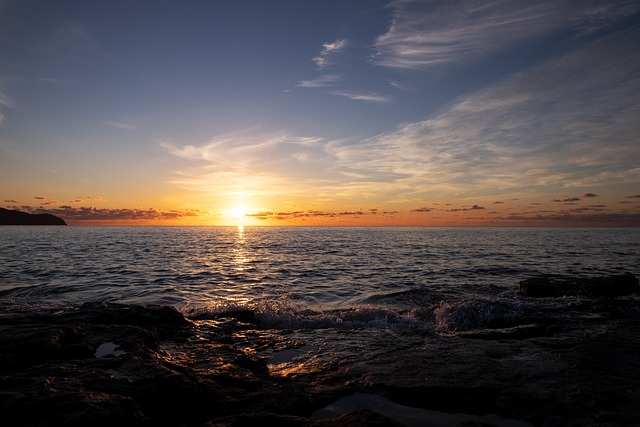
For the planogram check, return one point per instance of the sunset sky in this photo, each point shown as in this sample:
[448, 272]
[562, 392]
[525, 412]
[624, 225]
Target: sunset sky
[322, 112]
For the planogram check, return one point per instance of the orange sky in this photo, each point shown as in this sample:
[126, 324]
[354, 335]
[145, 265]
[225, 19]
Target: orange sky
[339, 113]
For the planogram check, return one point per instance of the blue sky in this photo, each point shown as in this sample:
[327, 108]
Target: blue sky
[337, 112]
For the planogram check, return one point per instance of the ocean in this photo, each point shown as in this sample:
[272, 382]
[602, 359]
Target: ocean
[299, 267]
[346, 297]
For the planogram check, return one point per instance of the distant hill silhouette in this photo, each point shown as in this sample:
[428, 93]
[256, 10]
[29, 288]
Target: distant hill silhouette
[9, 217]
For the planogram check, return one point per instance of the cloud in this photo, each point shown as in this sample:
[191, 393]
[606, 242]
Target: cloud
[5, 100]
[542, 131]
[257, 163]
[10, 201]
[422, 209]
[588, 195]
[566, 199]
[69, 213]
[542, 128]
[322, 81]
[465, 209]
[576, 217]
[311, 213]
[430, 34]
[120, 125]
[363, 96]
[328, 49]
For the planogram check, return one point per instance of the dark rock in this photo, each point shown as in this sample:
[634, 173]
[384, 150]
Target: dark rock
[244, 316]
[13, 217]
[589, 287]
[361, 418]
[165, 370]
[165, 321]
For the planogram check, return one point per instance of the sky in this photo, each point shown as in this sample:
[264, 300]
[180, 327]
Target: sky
[322, 112]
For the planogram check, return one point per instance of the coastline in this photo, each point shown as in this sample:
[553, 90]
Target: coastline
[99, 363]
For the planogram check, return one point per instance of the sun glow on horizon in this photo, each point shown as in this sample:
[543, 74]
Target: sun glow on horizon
[238, 212]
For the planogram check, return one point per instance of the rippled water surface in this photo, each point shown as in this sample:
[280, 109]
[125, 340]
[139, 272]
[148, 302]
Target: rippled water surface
[316, 268]
[386, 310]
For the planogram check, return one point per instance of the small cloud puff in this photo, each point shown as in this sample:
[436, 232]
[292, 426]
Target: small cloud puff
[566, 199]
[322, 59]
[422, 209]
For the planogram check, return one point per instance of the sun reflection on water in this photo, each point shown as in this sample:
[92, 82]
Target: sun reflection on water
[240, 254]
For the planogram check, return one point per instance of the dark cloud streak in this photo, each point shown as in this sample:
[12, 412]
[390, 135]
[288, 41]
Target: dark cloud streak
[69, 213]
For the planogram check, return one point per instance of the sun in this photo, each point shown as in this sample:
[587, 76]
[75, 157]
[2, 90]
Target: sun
[238, 212]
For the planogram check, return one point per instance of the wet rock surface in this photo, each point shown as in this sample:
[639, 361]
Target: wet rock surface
[108, 364]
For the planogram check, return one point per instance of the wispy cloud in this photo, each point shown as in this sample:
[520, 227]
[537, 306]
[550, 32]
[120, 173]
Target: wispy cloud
[363, 96]
[120, 125]
[328, 49]
[5, 100]
[429, 34]
[322, 81]
[542, 128]
[252, 162]
[278, 164]
[538, 131]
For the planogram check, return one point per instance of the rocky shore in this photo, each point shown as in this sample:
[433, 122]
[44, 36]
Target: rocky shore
[110, 364]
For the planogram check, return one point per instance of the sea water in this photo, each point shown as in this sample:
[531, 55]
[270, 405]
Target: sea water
[312, 276]
[384, 308]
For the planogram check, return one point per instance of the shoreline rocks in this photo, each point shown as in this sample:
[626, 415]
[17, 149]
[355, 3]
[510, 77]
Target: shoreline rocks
[101, 364]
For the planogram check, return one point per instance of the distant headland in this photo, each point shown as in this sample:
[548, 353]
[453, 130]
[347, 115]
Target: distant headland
[11, 217]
